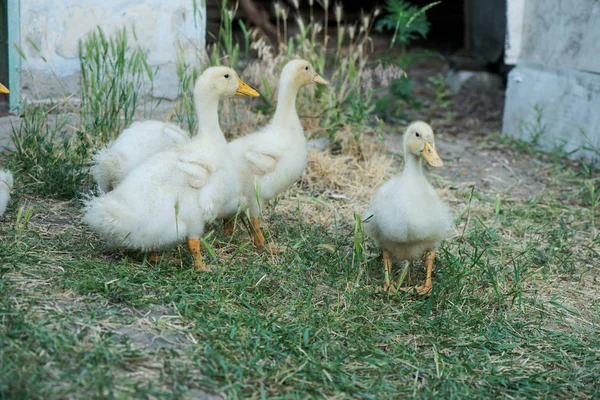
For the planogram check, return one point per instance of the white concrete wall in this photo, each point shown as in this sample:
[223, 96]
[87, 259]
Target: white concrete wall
[554, 32]
[555, 45]
[515, 10]
[50, 30]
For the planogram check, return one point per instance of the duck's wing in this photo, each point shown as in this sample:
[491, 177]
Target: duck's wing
[197, 170]
[263, 158]
[177, 135]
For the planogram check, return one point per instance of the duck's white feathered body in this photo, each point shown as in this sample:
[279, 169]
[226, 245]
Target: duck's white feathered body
[166, 199]
[269, 162]
[407, 217]
[6, 184]
[131, 148]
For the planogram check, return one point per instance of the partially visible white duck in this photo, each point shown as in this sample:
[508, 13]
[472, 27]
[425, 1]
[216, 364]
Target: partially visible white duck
[6, 178]
[6, 184]
[275, 156]
[133, 146]
[174, 193]
[407, 219]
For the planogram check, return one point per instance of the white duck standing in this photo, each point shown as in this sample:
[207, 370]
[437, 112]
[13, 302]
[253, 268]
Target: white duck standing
[270, 160]
[174, 193]
[406, 218]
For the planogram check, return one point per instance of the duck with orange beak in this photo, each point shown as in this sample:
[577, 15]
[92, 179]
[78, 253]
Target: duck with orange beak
[173, 194]
[407, 219]
[274, 158]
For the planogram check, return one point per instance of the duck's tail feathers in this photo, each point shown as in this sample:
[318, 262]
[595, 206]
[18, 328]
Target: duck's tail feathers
[105, 216]
[123, 224]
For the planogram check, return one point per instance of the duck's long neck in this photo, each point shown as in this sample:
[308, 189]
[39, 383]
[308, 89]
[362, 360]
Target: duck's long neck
[412, 165]
[285, 113]
[209, 130]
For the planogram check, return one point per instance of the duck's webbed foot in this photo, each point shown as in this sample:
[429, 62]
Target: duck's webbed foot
[425, 287]
[152, 256]
[274, 248]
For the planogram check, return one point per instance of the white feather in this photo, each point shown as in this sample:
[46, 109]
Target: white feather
[132, 147]
[6, 185]
[263, 158]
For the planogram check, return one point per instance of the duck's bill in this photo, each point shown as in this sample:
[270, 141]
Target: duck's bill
[4, 89]
[318, 79]
[432, 156]
[245, 90]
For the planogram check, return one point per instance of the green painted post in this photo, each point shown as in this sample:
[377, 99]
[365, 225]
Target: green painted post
[14, 58]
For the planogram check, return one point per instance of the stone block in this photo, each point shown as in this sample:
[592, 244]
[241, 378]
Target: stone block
[568, 104]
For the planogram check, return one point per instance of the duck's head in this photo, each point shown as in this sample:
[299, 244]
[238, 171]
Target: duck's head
[419, 141]
[300, 73]
[222, 82]
[4, 89]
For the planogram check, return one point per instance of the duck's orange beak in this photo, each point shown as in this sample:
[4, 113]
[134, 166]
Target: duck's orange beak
[432, 156]
[319, 79]
[4, 89]
[245, 89]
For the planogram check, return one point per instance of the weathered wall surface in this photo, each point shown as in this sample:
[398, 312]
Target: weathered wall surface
[562, 34]
[556, 47]
[569, 104]
[50, 31]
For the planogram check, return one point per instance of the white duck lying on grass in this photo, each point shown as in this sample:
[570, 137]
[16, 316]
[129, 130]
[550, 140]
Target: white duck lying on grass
[407, 219]
[132, 147]
[270, 160]
[174, 193]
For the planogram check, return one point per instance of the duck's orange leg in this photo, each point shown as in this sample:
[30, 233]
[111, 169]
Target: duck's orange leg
[387, 265]
[257, 235]
[426, 287]
[194, 246]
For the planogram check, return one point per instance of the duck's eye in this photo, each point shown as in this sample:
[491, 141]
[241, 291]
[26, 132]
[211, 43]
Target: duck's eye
[306, 68]
[226, 76]
[417, 134]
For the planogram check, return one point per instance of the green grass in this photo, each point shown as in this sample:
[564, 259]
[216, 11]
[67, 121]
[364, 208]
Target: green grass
[514, 310]
[509, 315]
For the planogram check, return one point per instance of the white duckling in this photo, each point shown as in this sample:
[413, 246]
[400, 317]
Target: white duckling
[406, 218]
[275, 156]
[174, 193]
[6, 184]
